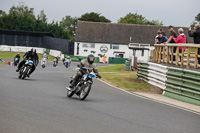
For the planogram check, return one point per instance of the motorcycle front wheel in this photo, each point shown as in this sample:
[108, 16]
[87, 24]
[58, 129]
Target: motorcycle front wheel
[24, 73]
[70, 93]
[85, 90]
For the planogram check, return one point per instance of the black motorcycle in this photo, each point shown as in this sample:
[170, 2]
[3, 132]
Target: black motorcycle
[55, 64]
[25, 69]
[82, 89]
[16, 61]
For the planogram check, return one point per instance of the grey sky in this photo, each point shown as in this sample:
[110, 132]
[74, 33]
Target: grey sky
[171, 12]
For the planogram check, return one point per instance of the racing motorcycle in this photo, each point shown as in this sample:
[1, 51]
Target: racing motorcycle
[25, 69]
[82, 89]
[44, 62]
[55, 64]
[67, 63]
[16, 61]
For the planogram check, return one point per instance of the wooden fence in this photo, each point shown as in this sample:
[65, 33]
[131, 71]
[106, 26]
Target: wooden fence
[164, 53]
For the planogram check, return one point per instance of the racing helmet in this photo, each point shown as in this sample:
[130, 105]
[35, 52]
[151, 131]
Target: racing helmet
[91, 58]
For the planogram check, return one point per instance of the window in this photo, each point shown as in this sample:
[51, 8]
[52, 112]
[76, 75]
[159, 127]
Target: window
[88, 45]
[113, 46]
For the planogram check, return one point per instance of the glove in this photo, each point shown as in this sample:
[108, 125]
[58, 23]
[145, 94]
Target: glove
[99, 76]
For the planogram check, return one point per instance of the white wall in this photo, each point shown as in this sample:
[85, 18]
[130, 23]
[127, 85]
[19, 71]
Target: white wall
[109, 53]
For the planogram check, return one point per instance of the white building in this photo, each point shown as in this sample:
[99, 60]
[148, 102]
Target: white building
[112, 39]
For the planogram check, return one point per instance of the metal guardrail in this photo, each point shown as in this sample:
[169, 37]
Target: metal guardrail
[163, 52]
[176, 83]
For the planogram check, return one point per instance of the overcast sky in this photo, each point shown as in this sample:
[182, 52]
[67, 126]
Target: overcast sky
[170, 12]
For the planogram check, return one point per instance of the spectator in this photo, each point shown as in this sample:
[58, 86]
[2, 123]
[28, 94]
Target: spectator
[171, 40]
[180, 39]
[196, 36]
[157, 38]
[163, 38]
[104, 59]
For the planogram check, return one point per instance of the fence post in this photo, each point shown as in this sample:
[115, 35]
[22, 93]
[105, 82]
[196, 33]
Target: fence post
[167, 54]
[177, 55]
[182, 56]
[196, 56]
[172, 54]
[188, 57]
[156, 55]
[164, 55]
[160, 54]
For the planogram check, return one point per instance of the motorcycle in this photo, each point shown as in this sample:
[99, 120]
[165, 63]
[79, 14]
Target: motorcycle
[44, 61]
[25, 69]
[67, 63]
[16, 61]
[82, 89]
[55, 64]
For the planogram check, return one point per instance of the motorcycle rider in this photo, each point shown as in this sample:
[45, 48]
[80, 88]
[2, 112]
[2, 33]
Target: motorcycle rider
[29, 55]
[16, 59]
[55, 60]
[89, 63]
[44, 58]
[68, 60]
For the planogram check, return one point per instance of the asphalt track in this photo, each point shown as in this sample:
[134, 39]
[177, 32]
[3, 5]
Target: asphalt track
[40, 105]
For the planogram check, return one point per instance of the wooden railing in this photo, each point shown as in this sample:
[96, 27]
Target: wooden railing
[162, 54]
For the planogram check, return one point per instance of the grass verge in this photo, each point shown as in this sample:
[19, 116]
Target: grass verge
[11, 55]
[125, 79]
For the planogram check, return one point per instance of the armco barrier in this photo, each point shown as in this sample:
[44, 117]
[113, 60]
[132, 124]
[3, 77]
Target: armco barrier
[155, 74]
[176, 83]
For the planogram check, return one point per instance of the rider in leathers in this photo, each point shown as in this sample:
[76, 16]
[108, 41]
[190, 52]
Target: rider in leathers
[89, 63]
[29, 55]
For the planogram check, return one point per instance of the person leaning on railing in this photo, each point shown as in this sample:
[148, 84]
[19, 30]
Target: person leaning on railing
[163, 39]
[196, 36]
[171, 40]
[180, 39]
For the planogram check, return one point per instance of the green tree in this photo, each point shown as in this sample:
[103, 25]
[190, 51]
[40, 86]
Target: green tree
[41, 22]
[135, 18]
[22, 18]
[94, 17]
[68, 24]
[196, 20]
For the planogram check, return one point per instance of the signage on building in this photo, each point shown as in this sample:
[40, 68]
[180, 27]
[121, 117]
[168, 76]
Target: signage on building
[104, 49]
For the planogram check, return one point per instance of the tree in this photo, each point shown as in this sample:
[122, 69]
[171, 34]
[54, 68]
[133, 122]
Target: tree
[19, 18]
[131, 18]
[196, 20]
[68, 24]
[94, 17]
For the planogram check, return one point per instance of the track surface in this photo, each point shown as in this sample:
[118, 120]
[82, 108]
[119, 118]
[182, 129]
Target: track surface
[40, 105]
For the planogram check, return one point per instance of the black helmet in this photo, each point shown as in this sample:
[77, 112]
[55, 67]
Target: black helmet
[34, 50]
[31, 50]
[91, 58]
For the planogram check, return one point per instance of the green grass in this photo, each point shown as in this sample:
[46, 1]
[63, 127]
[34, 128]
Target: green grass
[123, 79]
[11, 55]
[3, 63]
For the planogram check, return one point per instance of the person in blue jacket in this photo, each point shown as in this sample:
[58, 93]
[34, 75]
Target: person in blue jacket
[163, 38]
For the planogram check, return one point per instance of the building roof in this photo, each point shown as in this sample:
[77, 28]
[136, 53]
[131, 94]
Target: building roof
[98, 32]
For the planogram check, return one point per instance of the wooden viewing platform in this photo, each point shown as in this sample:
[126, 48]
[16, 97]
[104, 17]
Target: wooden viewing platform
[162, 55]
